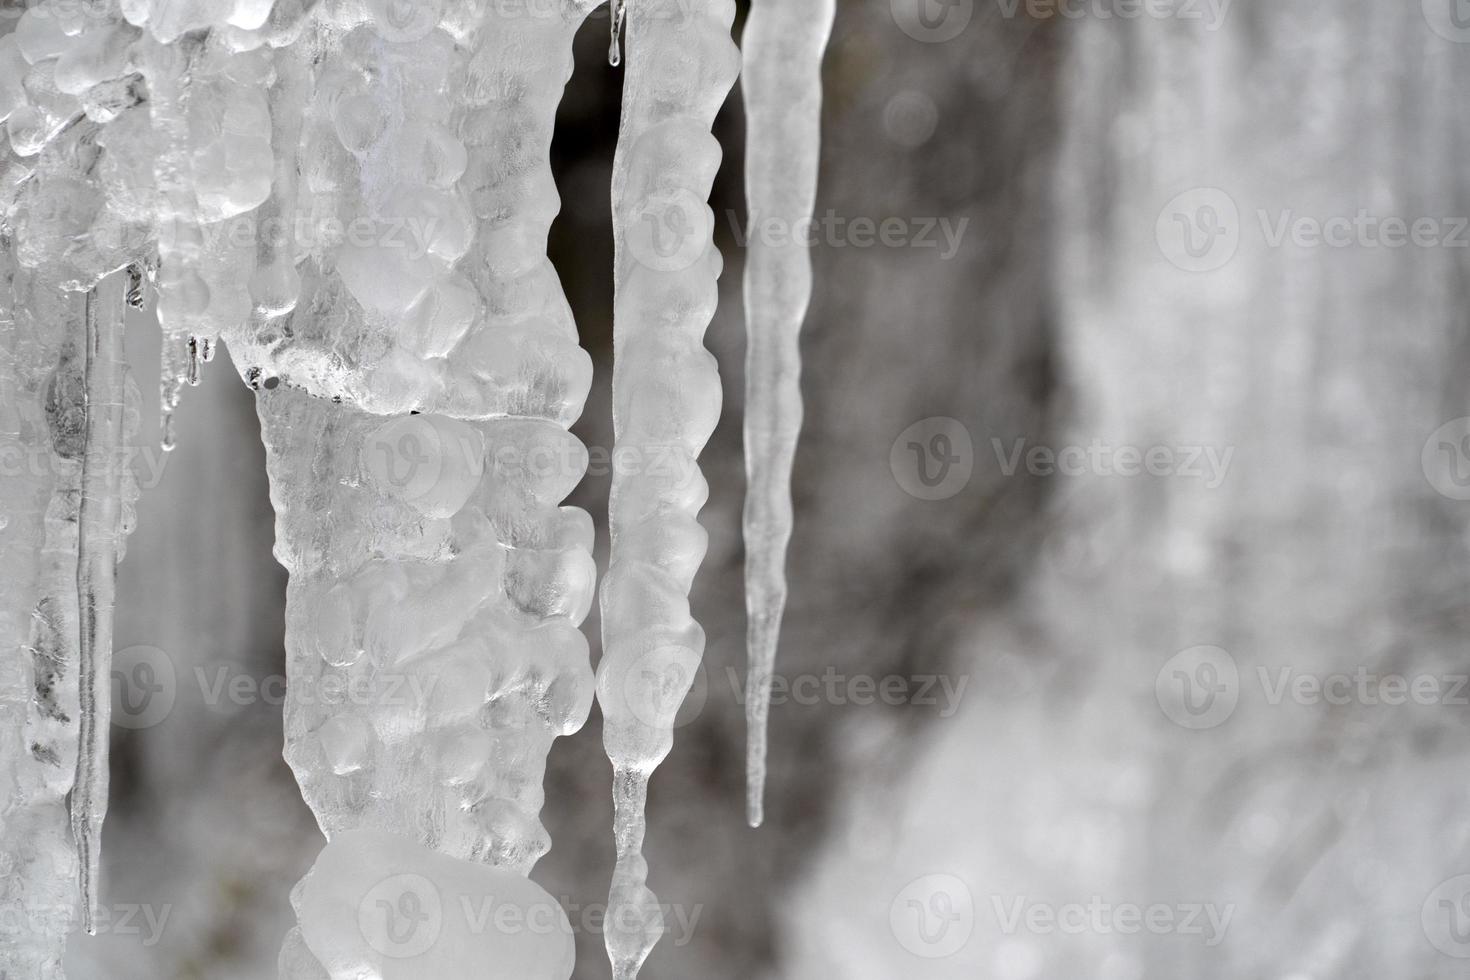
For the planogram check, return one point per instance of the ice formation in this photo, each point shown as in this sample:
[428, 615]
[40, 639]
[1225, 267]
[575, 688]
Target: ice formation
[782, 46]
[666, 401]
[64, 514]
[355, 195]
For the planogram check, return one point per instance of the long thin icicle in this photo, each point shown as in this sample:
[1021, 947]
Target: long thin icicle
[98, 526]
[666, 400]
[783, 45]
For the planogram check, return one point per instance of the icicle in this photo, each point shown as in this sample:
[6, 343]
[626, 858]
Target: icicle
[182, 295]
[615, 48]
[41, 408]
[416, 395]
[782, 82]
[666, 400]
[98, 520]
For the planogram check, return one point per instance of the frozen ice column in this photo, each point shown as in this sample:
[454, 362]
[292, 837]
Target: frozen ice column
[415, 406]
[681, 63]
[782, 81]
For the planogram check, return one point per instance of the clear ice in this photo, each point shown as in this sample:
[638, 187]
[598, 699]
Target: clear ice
[666, 400]
[782, 49]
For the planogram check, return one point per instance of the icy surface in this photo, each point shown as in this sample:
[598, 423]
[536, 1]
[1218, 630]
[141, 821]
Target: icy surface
[782, 83]
[666, 400]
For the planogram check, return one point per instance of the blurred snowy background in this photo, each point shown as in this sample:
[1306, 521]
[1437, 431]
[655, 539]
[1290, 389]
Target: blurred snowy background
[1128, 624]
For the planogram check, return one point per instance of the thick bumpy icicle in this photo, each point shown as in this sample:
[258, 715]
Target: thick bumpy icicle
[416, 381]
[782, 83]
[666, 400]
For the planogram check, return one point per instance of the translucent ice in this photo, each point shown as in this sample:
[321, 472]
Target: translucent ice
[681, 63]
[782, 82]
